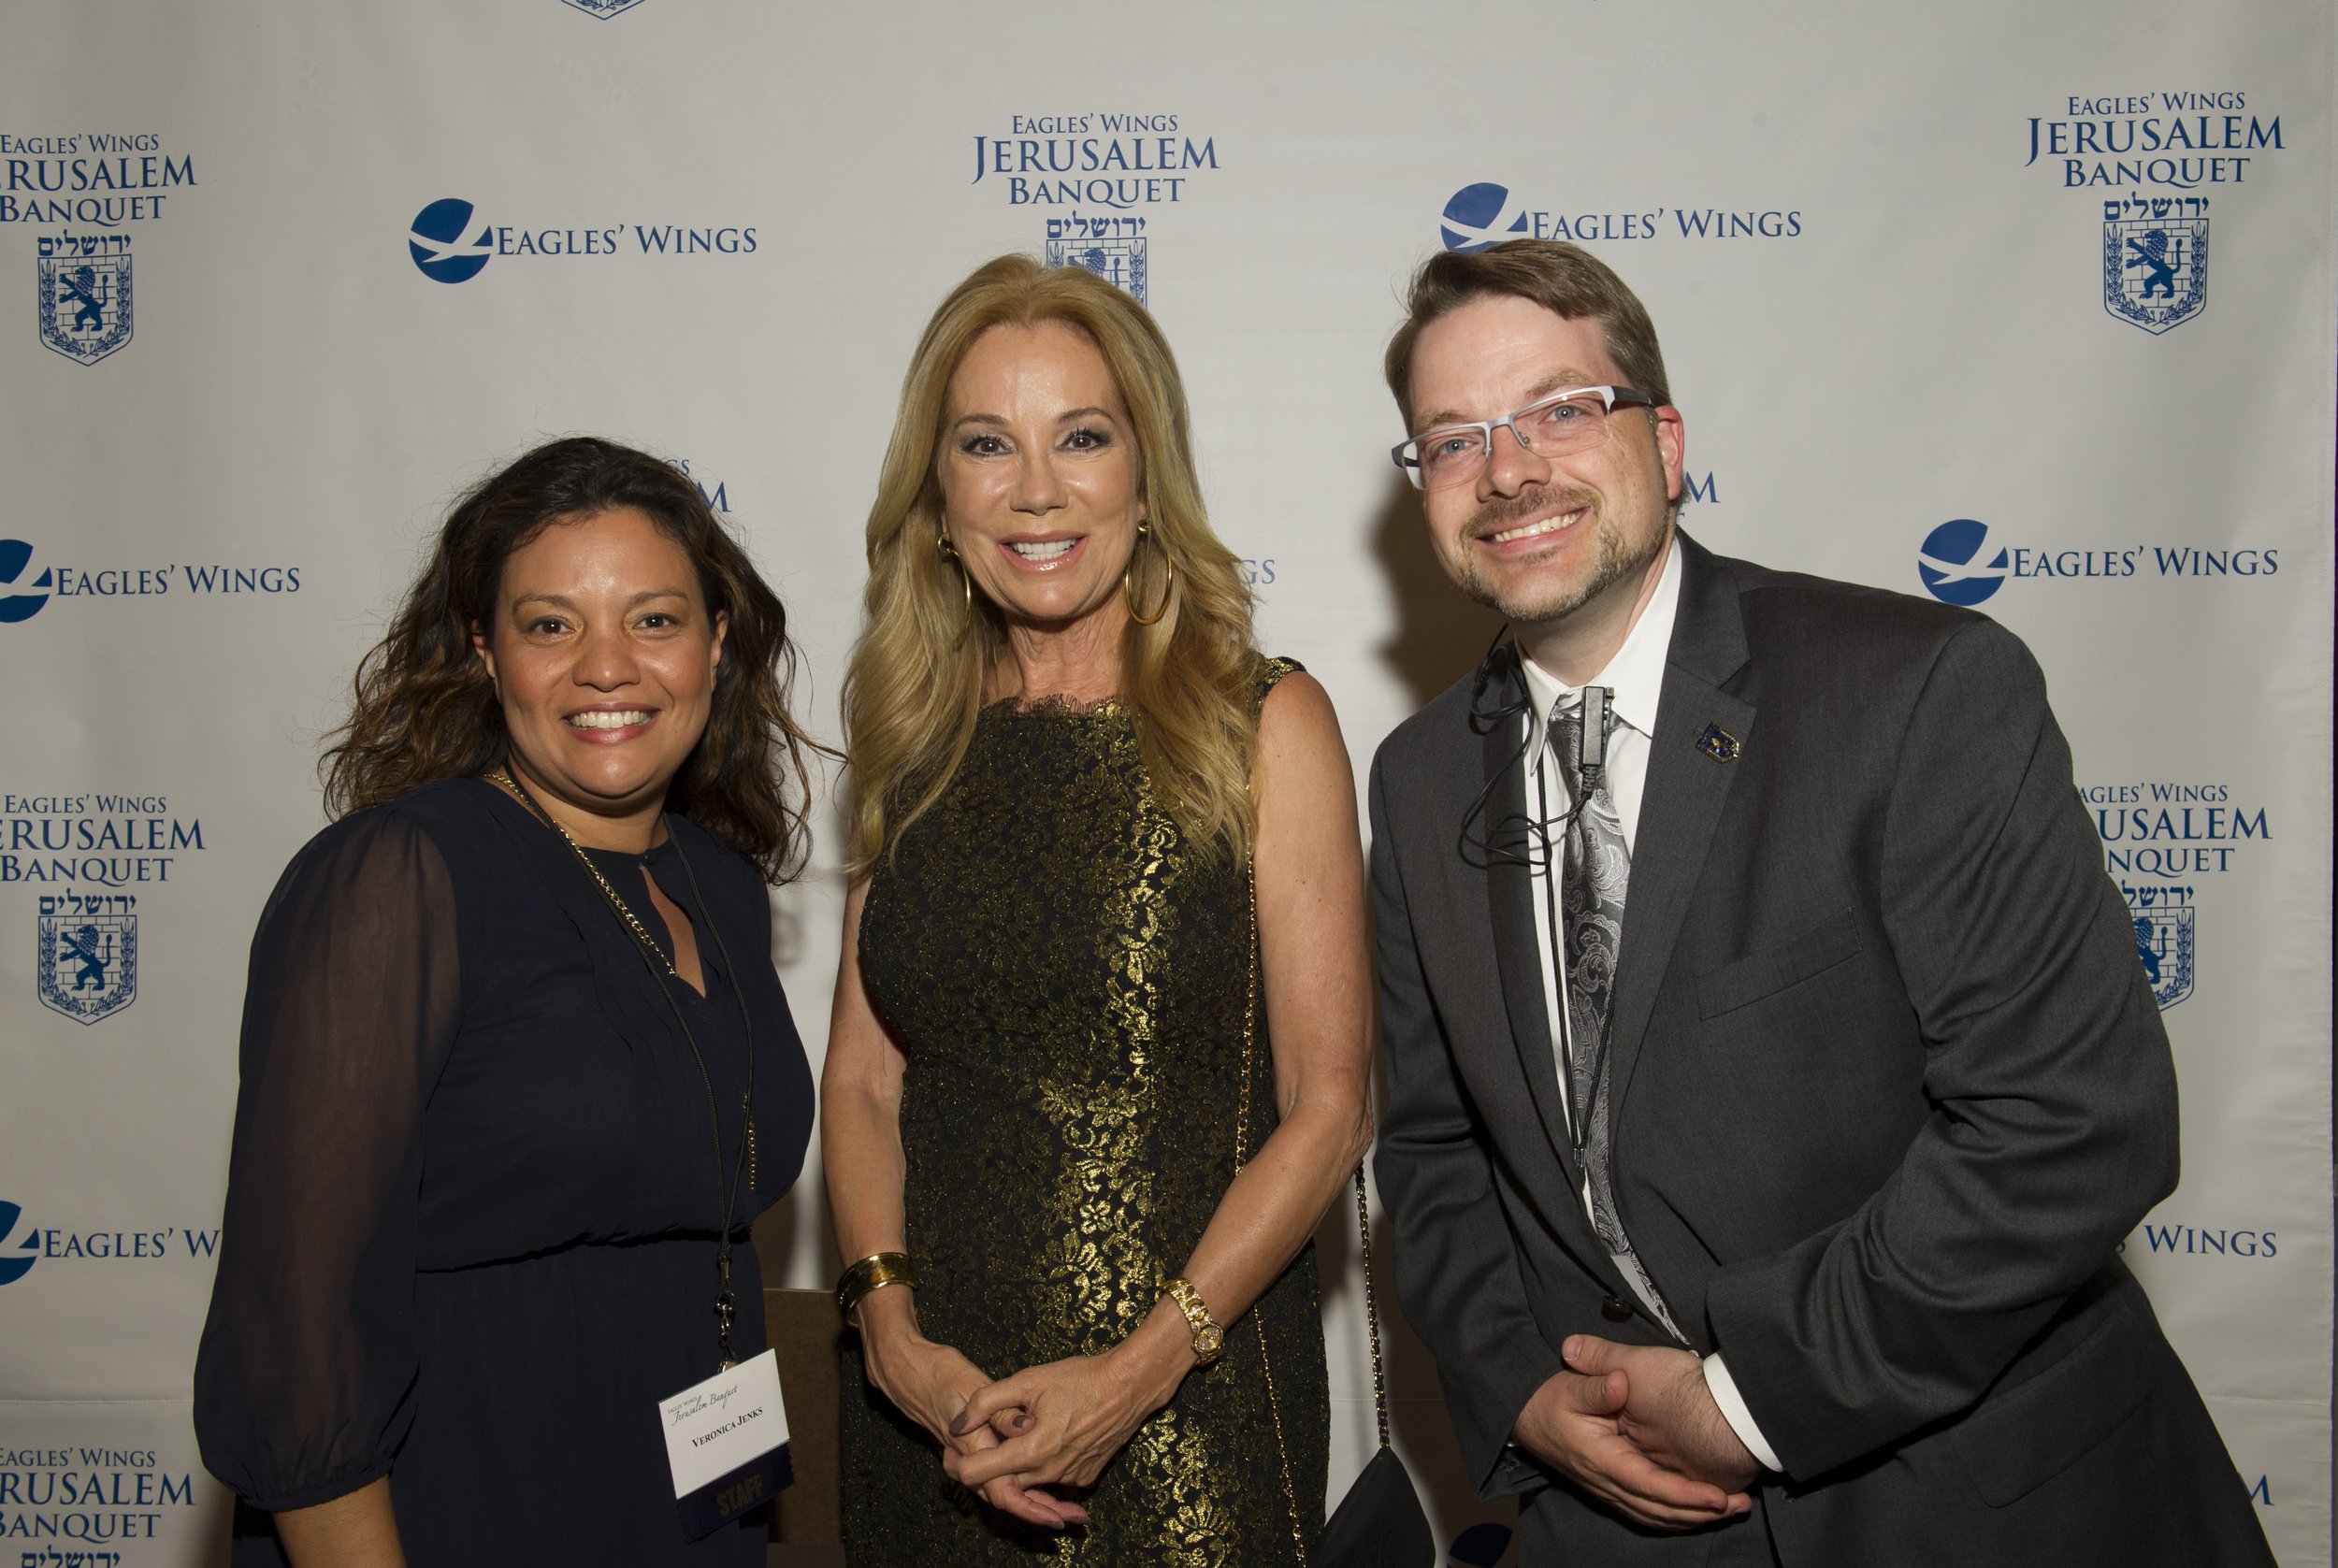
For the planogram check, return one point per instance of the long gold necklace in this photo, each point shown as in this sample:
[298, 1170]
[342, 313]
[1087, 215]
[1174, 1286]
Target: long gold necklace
[617, 899]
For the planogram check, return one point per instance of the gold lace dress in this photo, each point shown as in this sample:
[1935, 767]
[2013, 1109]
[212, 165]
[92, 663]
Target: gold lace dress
[1070, 983]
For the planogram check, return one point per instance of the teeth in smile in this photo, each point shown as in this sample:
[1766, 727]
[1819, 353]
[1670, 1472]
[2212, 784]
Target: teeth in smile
[618, 720]
[1548, 525]
[1047, 551]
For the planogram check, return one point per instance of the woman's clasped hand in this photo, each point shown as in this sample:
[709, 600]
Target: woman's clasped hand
[937, 1386]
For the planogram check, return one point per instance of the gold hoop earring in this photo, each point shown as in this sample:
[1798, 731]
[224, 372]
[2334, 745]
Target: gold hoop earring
[1169, 592]
[949, 552]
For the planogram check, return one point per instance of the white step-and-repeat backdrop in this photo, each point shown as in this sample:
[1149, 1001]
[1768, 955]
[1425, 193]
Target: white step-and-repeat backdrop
[2026, 307]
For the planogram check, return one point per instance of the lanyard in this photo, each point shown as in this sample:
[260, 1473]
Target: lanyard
[660, 966]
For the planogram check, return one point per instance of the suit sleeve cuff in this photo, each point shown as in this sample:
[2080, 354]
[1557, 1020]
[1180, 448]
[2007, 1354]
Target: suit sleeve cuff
[1724, 1388]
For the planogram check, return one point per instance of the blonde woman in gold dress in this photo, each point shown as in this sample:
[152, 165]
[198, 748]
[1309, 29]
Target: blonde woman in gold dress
[1075, 1135]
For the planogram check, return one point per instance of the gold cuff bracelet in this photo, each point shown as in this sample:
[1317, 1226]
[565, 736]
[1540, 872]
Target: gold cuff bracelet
[873, 1273]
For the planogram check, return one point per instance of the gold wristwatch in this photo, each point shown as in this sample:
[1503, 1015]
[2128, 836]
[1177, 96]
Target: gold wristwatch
[1210, 1340]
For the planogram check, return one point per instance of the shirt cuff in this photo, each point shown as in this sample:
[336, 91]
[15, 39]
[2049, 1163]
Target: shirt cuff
[1724, 1388]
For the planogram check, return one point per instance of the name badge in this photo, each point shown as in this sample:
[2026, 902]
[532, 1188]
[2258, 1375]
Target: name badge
[727, 1439]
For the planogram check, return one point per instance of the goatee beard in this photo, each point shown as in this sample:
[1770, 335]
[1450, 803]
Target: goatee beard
[1614, 561]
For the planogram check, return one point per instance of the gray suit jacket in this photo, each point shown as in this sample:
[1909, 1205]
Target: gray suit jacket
[1889, 1089]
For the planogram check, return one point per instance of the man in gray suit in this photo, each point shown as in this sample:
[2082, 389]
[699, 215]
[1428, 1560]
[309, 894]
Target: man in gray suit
[1773, 1076]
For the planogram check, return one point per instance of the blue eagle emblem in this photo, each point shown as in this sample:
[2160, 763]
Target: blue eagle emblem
[12, 1267]
[1111, 248]
[89, 954]
[2164, 940]
[2155, 266]
[84, 293]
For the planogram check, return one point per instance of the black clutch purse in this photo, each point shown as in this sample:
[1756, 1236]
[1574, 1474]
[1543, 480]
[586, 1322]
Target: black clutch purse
[1379, 1523]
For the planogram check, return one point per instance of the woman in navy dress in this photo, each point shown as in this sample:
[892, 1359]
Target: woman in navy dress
[517, 1073]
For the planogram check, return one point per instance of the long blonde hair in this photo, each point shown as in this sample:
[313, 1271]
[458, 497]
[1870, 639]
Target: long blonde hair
[916, 685]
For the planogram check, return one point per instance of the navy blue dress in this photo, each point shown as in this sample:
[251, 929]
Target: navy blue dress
[472, 1206]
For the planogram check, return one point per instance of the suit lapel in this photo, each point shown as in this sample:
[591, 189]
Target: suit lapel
[1686, 789]
[1509, 902]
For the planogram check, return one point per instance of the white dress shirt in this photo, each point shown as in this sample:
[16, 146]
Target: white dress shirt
[1635, 677]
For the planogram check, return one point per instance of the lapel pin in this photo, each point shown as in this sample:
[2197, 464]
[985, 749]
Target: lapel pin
[1718, 743]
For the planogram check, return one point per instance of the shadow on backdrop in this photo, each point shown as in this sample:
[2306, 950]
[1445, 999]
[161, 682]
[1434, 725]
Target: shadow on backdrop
[806, 1205]
[1440, 634]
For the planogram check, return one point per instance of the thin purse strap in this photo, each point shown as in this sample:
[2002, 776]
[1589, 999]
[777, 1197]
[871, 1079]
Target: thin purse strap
[1363, 1206]
[1241, 1157]
[1371, 1308]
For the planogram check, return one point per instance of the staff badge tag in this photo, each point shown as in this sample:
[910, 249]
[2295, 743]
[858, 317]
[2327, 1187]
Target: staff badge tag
[727, 1439]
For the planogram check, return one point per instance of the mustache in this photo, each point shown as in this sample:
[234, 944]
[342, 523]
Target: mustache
[1498, 515]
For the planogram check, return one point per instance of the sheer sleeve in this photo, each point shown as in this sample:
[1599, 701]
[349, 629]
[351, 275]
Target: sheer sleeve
[304, 1384]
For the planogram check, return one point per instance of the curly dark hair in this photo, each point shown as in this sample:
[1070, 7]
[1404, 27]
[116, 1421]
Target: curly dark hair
[425, 709]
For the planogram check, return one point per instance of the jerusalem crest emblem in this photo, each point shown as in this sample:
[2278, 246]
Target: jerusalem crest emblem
[89, 953]
[2155, 267]
[84, 285]
[2164, 940]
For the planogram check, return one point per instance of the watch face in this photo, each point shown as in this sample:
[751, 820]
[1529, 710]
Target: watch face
[1210, 1341]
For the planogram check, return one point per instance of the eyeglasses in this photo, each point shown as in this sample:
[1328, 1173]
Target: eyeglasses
[1571, 421]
